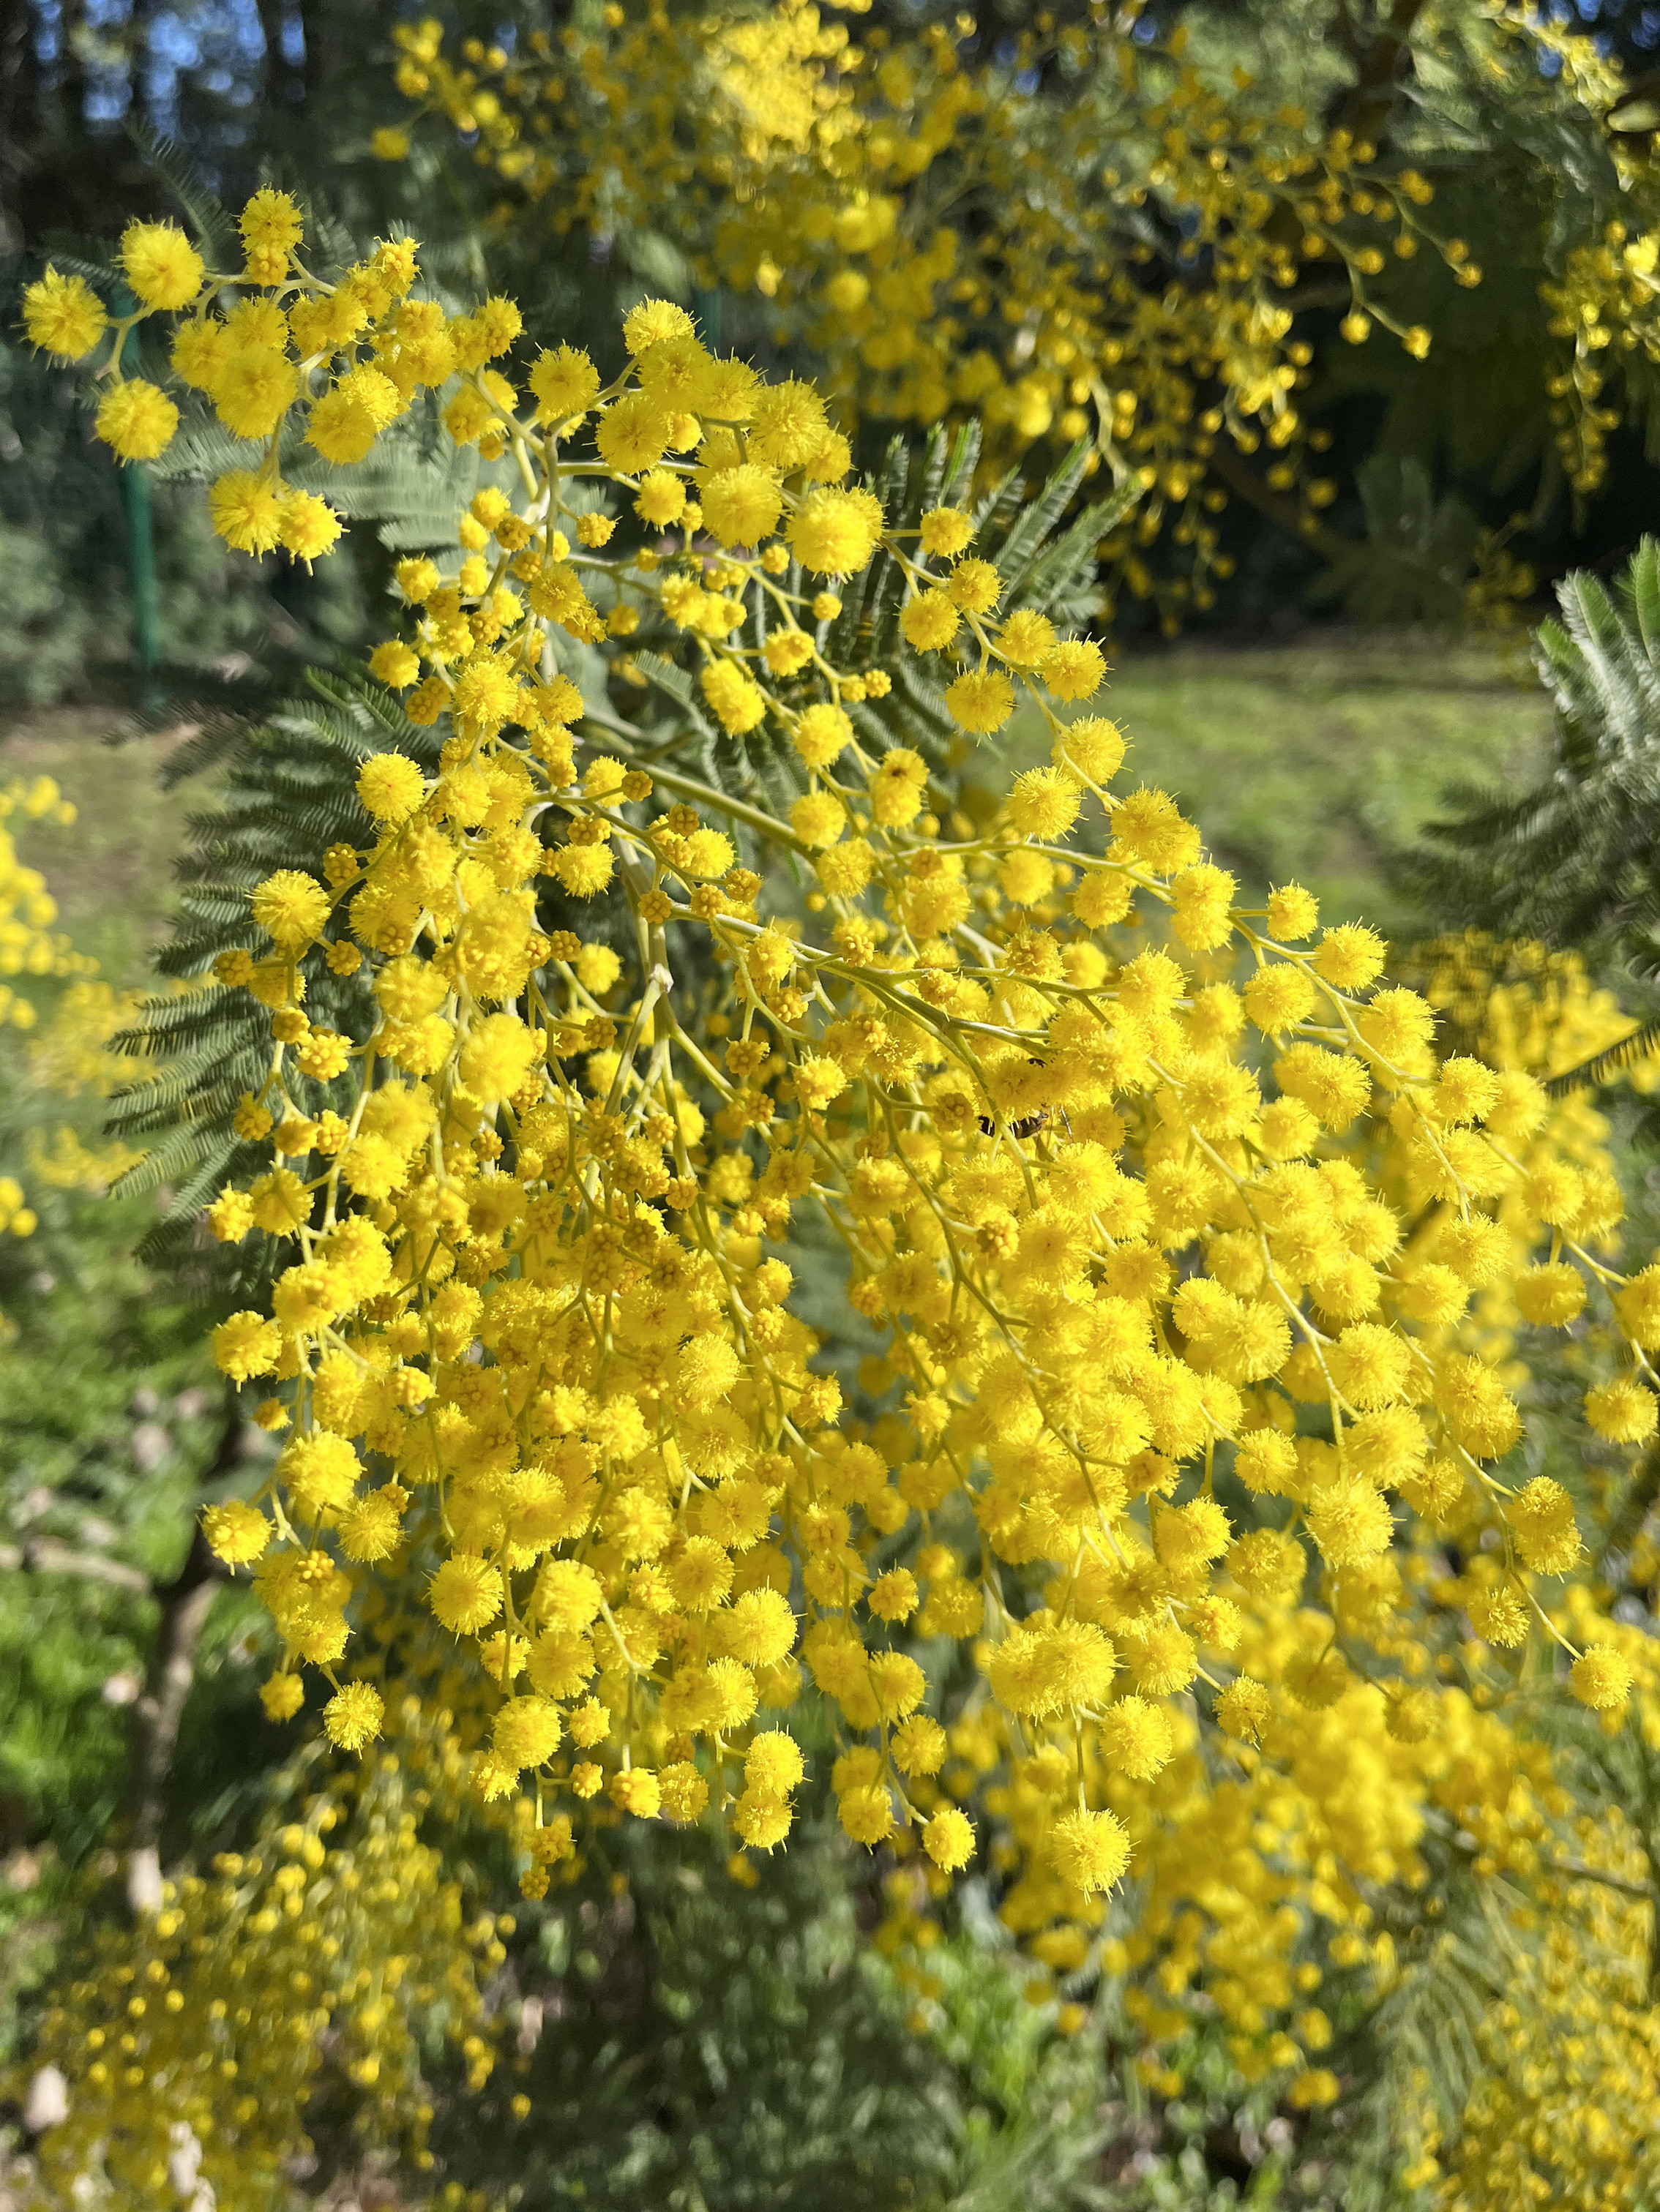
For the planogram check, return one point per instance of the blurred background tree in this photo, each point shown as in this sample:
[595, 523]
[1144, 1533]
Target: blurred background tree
[1362, 293]
[1423, 473]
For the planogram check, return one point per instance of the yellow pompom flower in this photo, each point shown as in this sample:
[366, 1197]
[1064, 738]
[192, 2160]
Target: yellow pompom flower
[654, 322]
[1138, 1738]
[737, 700]
[1244, 1709]
[584, 869]
[945, 530]
[282, 1696]
[1044, 803]
[1351, 955]
[248, 511]
[236, 1532]
[64, 316]
[772, 1762]
[1350, 1522]
[352, 1716]
[1074, 668]
[834, 533]
[292, 908]
[1501, 1616]
[741, 504]
[1026, 638]
[1601, 1679]
[821, 734]
[394, 265]
[830, 462]
[1546, 1535]
[321, 1471]
[370, 1528]
[485, 693]
[759, 1628]
[465, 1594]
[309, 526]
[1622, 1411]
[161, 265]
[975, 585]
[345, 421]
[684, 1791]
[254, 388]
[527, 1731]
[1292, 912]
[1280, 996]
[245, 1345]
[866, 1812]
[633, 433]
[563, 383]
[395, 664]
[272, 228]
[662, 498]
[761, 1819]
[948, 1839]
[929, 621]
[819, 818]
[980, 701]
[787, 427]
[231, 1216]
[391, 786]
[1639, 1308]
[137, 419]
[637, 1791]
[1093, 746]
[919, 1746]
[497, 1056]
[1092, 1850]
[893, 1596]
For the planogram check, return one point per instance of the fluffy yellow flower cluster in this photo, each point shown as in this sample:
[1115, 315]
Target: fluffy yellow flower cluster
[1521, 1006]
[1162, 1215]
[1567, 2093]
[72, 1057]
[929, 215]
[256, 359]
[194, 2052]
[28, 944]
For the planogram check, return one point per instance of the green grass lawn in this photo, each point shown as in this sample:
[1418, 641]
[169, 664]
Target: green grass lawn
[1321, 760]
[110, 872]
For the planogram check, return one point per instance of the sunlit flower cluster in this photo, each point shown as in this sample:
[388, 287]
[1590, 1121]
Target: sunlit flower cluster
[1567, 2091]
[1077, 231]
[29, 945]
[194, 2051]
[1178, 1531]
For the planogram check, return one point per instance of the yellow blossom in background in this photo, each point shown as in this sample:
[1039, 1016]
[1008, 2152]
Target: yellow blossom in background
[949, 221]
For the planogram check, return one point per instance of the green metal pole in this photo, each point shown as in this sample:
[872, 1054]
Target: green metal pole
[141, 569]
[142, 578]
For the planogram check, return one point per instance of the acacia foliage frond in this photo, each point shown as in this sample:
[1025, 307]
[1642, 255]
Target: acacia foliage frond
[1575, 859]
[284, 789]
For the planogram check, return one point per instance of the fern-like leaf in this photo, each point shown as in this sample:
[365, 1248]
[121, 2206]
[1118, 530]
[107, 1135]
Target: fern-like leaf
[190, 188]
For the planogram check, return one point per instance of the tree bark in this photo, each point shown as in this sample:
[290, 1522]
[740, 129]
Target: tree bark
[1364, 109]
[159, 1710]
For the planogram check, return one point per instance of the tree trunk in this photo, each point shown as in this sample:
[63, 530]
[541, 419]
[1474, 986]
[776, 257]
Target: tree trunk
[159, 1710]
